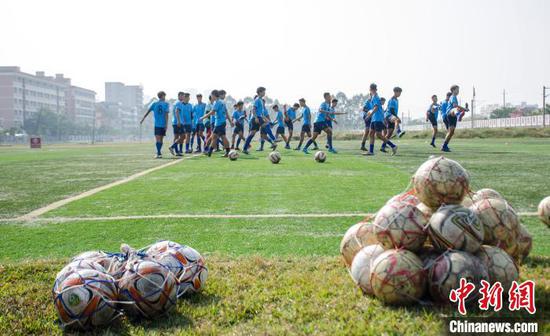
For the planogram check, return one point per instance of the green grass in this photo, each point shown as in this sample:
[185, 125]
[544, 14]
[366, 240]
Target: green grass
[268, 275]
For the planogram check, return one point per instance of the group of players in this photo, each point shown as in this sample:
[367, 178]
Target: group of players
[207, 122]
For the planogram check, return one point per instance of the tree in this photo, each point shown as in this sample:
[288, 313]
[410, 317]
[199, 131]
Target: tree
[502, 112]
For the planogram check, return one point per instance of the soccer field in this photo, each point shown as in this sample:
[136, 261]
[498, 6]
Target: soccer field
[270, 233]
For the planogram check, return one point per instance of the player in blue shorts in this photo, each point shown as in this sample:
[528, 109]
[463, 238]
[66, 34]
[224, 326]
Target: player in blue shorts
[331, 118]
[443, 109]
[392, 115]
[431, 116]
[186, 121]
[160, 110]
[239, 117]
[177, 119]
[258, 120]
[454, 112]
[377, 122]
[280, 123]
[267, 128]
[367, 106]
[320, 124]
[290, 117]
[306, 124]
[198, 112]
[222, 116]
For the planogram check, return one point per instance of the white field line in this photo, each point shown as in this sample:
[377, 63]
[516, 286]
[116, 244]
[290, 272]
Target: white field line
[40, 211]
[206, 216]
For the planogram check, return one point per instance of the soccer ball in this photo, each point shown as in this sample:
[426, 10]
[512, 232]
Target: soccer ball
[113, 263]
[499, 264]
[544, 211]
[467, 201]
[500, 223]
[428, 255]
[426, 210]
[150, 287]
[357, 236]
[441, 181]
[525, 243]
[397, 277]
[84, 299]
[274, 157]
[320, 156]
[77, 265]
[486, 193]
[233, 155]
[400, 225]
[407, 197]
[456, 227]
[162, 246]
[446, 271]
[360, 267]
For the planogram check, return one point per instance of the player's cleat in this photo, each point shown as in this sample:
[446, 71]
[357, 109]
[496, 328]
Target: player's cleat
[259, 150]
[326, 146]
[198, 151]
[394, 151]
[445, 149]
[364, 149]
[225, 155]
[179, 154]
[297, 148]
[305, 150]
[287, 147]
[383, 150]
[368, 154]
[245, 151]
[400, 134]
[158, 156]
[432, 144]
[171, 149]
[333, 151]
[237, 149]
[274, 146]
[188, 151]
[316, 148]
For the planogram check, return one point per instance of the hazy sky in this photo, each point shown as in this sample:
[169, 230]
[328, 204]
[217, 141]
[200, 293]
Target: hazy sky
[296, 48]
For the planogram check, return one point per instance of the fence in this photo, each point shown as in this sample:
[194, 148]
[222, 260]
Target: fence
[529, 121]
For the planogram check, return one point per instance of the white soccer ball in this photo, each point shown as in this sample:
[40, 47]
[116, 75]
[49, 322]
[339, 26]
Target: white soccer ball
[500, 223]
[77, 265]
[233, 155]
[441, 181]
[407, 197]
[360, 267]
[85, 299]
[355, 238]
[456, 227]
[400, 225]
[544, 211]
[274, 157]
[486, 193]
[151, 289]
[397, 277]
[320, 156]
[499, 264]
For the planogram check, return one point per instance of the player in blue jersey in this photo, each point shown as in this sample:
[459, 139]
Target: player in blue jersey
[377, 121]
[267, 128]
[259, 120]
[431, 116]
[331, 118]
[290, 117]
[177, 118]
[198, 112]
[392, 114]
[160, 110]
[320, 124]
[186, 121]
[306, 124]
[239, 118]
[280, 123]
[219, 110]
[208, 124]
[367, 119]
[443, 109]
[454, 111]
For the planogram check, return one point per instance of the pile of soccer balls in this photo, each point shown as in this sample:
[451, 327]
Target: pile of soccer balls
[97, 287]
[422, 242]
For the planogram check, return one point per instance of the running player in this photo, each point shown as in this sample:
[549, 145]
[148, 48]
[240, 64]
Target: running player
[176, 148]
[320, 124]
[290, 117]
[367, 106]
[222, 116]
[258, 120]
[160, 110]
[431, 116]
[377, 122]
[452, 115]
[198, 112]
[306, 124]
[239, 116]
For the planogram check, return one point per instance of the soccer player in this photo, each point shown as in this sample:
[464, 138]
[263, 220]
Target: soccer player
[258, 121]
[367, 106]
[290, 117]
[320, 124]
[280, 122]
[208, 124]
[239, 116]
[431, 116]
[377, 121]
[222, 116]
[443, 109]
[176, 148]
[186, 122]
[331, 118]
[198, 112]
[306, 124]
[392, 114]
[452, 115]
[160, 110]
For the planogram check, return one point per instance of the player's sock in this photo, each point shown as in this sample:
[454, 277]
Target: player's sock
[391, 144]
[433, 140]
[187, 146]
[384, 145]
[247, 142]
[308, 143]
[371, 148]
[192, 142]
[363, 144]
[329, 142]
[262, 144]
[198, 143]
[445, 144]
[238, 142]
[270, 134]
[315, 144]
[159, 147]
